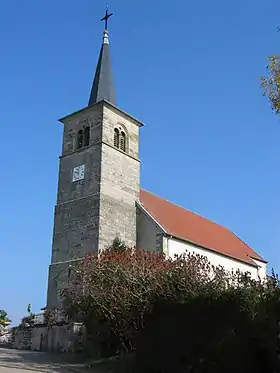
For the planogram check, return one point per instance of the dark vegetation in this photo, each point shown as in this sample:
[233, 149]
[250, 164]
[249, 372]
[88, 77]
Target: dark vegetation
[175, 316]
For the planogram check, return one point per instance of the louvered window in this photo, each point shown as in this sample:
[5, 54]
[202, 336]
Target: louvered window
[80, 139]
[116, 138]
[122, 142]
[86, 136]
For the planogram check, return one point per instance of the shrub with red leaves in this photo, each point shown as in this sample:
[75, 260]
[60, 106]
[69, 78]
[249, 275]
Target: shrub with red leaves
[113, 293]
[117, 296]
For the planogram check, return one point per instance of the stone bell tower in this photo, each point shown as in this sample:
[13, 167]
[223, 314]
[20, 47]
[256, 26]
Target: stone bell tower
[99, 178]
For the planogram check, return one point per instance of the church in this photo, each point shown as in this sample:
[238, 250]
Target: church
[99, 195]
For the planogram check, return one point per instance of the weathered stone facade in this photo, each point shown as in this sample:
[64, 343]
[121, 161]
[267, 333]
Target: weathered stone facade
[92, 211]
[59, 338]
[5, 336]
[120, 180]
[149, 233]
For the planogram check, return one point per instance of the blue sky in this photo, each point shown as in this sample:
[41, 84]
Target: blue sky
[188, 69]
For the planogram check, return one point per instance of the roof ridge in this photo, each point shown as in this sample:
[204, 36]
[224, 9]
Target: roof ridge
[231, 244]
[184, 208]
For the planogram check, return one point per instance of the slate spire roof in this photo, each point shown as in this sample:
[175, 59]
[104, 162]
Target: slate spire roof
[103, 83]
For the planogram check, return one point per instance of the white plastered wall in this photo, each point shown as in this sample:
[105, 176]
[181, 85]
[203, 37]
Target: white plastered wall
[177, 247]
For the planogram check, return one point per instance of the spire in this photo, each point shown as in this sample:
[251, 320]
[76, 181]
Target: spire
[103, 84]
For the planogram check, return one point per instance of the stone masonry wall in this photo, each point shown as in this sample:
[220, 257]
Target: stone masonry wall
[64, 338]
[120, 180]
[76, 218]
[149, 234]
[91, 212]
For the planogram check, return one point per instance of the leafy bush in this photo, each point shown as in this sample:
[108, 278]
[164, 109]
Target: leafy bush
[4, 320]
[271, 83]
[207, 334]
[178, 315]
[117, 246]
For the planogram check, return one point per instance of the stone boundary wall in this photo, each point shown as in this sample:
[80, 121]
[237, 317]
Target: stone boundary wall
[6, 335]
[68, 338]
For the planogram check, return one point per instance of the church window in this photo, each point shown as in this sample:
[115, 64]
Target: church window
[116, 138]
[122, 141]
[86, 136]
[80, 139]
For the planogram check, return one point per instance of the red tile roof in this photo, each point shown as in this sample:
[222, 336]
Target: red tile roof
[188, 226]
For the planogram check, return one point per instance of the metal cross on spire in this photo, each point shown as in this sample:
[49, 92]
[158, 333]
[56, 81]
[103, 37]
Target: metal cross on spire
[106, 17]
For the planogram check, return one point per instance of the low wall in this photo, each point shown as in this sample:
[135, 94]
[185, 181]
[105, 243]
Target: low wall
[58, 338]
[6, 337]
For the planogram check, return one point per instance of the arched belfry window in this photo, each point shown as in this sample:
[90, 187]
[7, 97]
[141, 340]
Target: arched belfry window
[83, 137]
[116, 138]
[80, 139]
[122, 141]
[86, 136]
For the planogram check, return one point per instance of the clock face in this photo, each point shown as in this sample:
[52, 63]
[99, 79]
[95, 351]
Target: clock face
[78, 173]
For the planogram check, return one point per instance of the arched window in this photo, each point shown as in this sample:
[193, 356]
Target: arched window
[86, 136]
[80, 139]
[116, 138]
[122, 142]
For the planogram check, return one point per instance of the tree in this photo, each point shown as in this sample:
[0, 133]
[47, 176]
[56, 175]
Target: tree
[29, 308]
[182, 315]
[117, 246]
[271, 83]
[4, 320]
